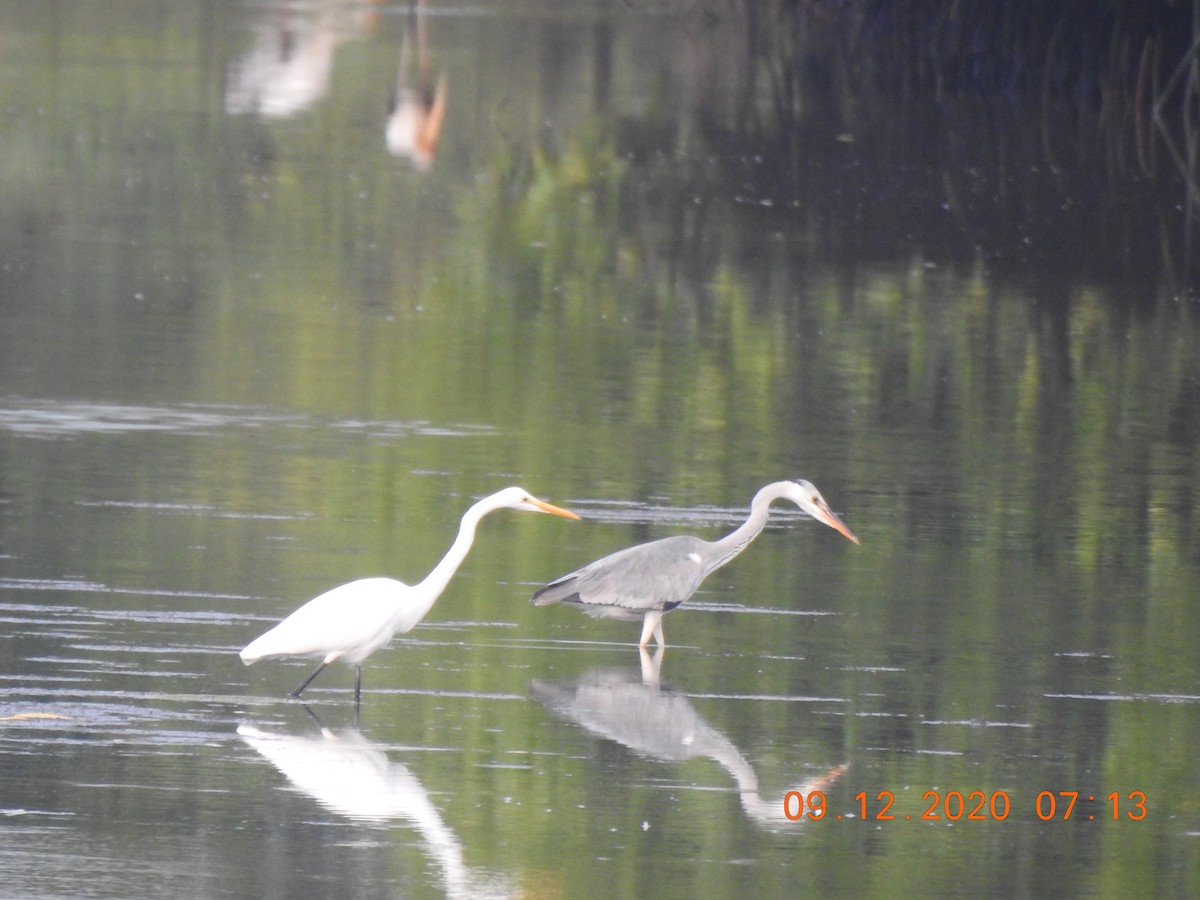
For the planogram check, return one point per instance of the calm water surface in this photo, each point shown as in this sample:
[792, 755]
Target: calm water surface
[285, 289]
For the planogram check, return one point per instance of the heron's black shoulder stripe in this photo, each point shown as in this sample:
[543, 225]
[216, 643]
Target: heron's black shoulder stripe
[537, 600]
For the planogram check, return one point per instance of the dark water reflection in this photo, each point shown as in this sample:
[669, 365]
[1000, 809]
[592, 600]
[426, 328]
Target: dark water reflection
[283, 289]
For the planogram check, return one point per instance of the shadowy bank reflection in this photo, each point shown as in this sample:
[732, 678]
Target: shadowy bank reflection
[634, 709]
[288, 70]
[353, 777]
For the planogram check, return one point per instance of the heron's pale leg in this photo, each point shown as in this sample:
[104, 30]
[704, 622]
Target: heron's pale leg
[652, 627]
[651, 665]
[295, 695]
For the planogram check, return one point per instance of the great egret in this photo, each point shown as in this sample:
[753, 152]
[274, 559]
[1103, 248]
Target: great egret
[353, 620]
[651, 579]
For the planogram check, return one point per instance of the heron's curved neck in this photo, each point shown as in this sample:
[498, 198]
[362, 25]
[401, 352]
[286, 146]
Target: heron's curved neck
[736, 541]
[432, 585]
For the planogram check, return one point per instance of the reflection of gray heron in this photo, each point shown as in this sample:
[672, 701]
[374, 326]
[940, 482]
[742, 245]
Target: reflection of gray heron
[350, 776]
[417, 107]
[352, 621]
[651, 579]
[661, 724]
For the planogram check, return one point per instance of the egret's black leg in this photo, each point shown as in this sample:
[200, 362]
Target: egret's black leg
[312, 715]
[295, 695]
[357, 684]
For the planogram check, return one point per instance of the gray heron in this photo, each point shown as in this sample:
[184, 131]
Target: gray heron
[649, 580]
[353, 620]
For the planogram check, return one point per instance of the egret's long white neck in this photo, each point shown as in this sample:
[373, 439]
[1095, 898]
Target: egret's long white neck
[736, 541]
[432, 585]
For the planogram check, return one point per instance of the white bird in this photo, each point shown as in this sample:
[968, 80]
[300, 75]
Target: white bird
[353, 620]
[649, 580]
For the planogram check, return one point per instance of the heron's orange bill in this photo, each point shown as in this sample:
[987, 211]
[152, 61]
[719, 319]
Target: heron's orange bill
[552, 509]
[829, 517]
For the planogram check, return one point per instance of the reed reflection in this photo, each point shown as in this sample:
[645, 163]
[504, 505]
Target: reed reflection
[635, 710]
[353, 777]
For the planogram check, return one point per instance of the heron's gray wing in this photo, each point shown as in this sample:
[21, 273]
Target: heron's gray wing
[658, 575]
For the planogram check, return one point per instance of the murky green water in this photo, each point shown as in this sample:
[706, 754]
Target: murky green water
[254, 344]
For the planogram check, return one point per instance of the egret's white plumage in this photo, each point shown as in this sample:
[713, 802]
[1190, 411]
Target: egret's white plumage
[347, 623]
[649, 580]
[352, 621]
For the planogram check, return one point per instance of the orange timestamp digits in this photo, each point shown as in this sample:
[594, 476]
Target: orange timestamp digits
[1048, 804]
[795, 804]
[975, 806]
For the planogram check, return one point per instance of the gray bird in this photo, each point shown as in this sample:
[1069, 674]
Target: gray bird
[651, 579]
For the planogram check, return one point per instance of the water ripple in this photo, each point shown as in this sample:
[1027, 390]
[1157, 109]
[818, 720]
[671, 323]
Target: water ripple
[50, 419]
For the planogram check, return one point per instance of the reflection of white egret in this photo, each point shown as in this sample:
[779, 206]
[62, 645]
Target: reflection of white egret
[352, 621]
[662, 724]
[352, 777]
[649, 580]
[288, 68]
